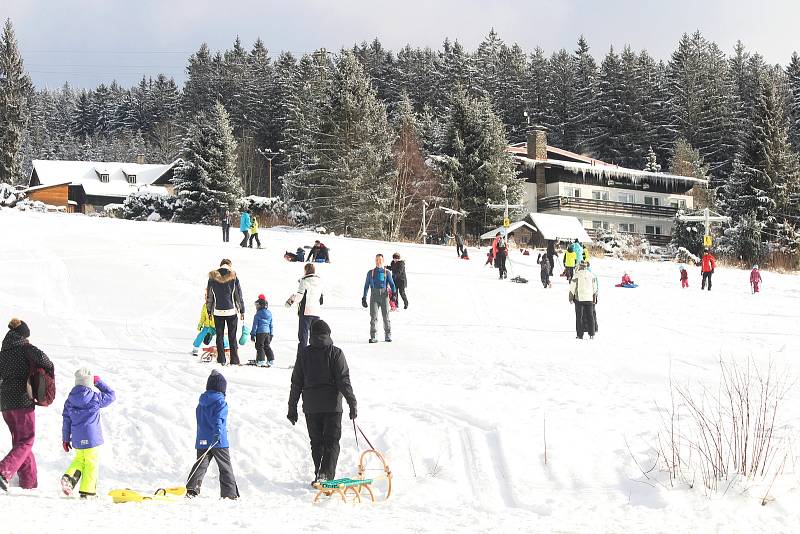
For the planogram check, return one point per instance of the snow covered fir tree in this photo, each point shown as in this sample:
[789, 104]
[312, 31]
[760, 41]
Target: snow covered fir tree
[15, 89]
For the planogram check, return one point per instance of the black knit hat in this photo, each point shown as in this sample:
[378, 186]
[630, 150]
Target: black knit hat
[320, 327]
[20, 327]
[216, 382]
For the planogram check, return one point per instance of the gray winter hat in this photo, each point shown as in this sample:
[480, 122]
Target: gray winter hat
[84, 377]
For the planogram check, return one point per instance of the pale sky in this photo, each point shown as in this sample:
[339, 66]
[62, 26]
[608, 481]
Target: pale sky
[86, 42]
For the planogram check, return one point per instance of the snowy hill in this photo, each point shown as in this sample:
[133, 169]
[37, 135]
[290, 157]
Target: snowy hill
[460, 402]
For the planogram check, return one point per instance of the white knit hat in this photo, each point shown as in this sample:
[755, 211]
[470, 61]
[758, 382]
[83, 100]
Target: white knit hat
[84, 377]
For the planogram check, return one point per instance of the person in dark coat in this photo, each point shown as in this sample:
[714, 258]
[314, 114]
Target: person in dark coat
[545, 268]
[212, 439]
[322, 378]
[551, 254]
[398, 268]
[224, 302]
[16, 403]
[460, 248]
[319, 253]
[226, 217]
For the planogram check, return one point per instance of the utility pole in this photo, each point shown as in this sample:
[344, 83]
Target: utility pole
[706, 218]
[270, 154]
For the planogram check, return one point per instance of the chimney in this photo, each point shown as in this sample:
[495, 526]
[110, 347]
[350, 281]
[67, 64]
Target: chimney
[140, 159]
[537, 142]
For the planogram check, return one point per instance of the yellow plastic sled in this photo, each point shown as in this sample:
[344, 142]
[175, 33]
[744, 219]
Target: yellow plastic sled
[162, 495]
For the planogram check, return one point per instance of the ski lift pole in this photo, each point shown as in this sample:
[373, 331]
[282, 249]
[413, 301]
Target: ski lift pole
[706, 218]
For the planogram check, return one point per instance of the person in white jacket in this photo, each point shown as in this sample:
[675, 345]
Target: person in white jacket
[583, 293]
[309, 296]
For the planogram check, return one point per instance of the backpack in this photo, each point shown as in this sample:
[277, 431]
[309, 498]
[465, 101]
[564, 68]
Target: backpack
[41, 386]
[501, 244]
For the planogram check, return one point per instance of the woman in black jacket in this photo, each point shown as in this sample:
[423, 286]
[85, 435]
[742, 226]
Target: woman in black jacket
[17, 405]
[398, 268]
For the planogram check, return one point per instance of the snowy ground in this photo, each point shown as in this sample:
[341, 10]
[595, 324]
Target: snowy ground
[458, 402]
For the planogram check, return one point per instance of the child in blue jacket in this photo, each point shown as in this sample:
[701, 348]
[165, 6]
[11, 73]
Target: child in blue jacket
[262, 332]
[81, 431]
[212, 439]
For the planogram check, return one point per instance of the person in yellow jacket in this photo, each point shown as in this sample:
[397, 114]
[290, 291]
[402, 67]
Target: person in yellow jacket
[205, 328]
[570, 260]
[254, 232]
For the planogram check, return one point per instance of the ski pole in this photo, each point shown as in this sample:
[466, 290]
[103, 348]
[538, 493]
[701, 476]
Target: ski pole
[199, 460]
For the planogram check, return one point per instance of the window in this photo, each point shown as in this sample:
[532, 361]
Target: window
[652, 230]
[104, 178]
[600, 195]
[678, 204]
[600, 225]
[627, 228]
[572, 192]
[626, 197]
[652, 201]
[131, 179]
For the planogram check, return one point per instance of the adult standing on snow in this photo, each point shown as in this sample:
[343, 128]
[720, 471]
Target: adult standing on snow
[322, 377]
[583, 294]
[224, 301]
[226, 225]
[310, 295]
[378, 282]
[16, 403]
[500, 252]
[398, 268]
[551, 254]
[244, 227]
[460, 248]
[709, 263]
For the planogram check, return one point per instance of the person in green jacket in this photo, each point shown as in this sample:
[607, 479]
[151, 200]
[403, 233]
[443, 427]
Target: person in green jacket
[254, 232]
[570, 260]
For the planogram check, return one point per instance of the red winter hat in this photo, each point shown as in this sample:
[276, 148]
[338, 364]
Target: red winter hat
[262, 297]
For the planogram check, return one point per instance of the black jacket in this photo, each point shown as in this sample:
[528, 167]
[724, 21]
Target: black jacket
[14, 356]
[321, 375]
[319, 252]
[544, 261]
[398, 268]
[224, 291]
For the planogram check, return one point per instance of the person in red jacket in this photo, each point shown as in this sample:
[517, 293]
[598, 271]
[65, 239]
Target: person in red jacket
[708, 265]
[684, 277]
[755, 278]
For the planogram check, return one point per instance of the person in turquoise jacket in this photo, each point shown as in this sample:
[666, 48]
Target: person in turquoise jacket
[244, 227]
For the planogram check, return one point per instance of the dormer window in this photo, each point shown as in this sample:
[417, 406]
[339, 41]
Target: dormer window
[131, 179]
[104, 178]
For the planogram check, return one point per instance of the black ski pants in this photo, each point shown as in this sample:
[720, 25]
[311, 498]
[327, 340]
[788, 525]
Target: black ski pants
[584, 318]
[252, 237]
[226, 232]
[246, 235]
[706, 276]
[324, 431]
[552, 262]
[401, 292]
[227, 482]
[232, 323]
[501, 264]
[545, 279]
[304, 330]
[263, 348]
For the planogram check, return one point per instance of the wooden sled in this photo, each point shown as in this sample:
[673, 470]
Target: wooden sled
[343, 486]
[162, 495]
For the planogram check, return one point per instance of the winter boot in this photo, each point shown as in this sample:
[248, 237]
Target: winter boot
[195, 351]
[87, 496]
[388, 338]
[373, 340]
[3, 483]
[68, 483]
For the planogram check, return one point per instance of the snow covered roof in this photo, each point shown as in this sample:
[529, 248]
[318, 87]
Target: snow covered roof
[559, 227]
[87, 174]
[44, 186]
[514, 226]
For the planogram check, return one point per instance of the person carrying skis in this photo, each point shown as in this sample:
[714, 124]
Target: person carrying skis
[378, 282]
[684, 277]
[223, 302]
[398, 268]
[500, 253]
[262, 332]
[570, 260]
[545, 269]
[212, 439]
[583, 294]
[80, 430]
[244, 227]
[16, 356]
[755, 279]
[321, 376]
[709, 263]
[310, 296]
[254, 233]
[205, 329]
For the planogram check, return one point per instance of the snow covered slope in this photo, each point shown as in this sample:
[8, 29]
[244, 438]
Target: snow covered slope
[459, 402]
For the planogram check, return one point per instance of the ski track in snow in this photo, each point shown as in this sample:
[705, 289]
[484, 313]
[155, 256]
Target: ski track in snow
[479, 371]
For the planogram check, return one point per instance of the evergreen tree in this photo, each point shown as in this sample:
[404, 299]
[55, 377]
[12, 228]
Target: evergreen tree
[205, 183]
[15, 91]
[200, 91]
[585, 95]
[651, 161]
[793, 75]
[561, 103]
[538, 88]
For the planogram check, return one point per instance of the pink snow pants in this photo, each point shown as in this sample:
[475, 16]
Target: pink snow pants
[20, 460]
[755, 287]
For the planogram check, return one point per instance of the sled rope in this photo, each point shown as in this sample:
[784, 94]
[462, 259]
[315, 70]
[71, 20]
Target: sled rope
[200, 460]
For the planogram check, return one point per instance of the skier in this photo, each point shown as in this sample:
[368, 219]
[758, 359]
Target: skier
[322, 377]
[205, 329]
[310, 296]
[583, 294]
[545, 268]
[460, 248]
[709, 263]
[319, 253]
[262, 332]
[755, 279]
[570, 260]
[244, 227]
[398, 268]
[212, 440]
[551, 254]
[378, 281]
[684, 277]
[254, 233]
[225, 217]
[80, 430]
[224, 302]
[500, 253]
[16, 404]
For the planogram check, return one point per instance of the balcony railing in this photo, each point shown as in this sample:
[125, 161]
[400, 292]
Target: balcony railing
[608, 207]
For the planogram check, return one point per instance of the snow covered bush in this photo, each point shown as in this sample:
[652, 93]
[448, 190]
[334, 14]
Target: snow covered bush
[621, 246]
[684, 256]
[141, 205]
[113, 210]
[9, 196]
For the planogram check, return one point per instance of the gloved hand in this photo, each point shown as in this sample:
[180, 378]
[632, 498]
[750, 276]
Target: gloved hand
[364, 302]
[292, 415]
[96, 379]
[289, 302]
[595, 299]
[270, 338]
[241, 315]
[216, 439]
[353, 412]
[66, 446]
[252, 337]
[571, 298]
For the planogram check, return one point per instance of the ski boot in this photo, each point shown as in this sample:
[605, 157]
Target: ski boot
[68, 483]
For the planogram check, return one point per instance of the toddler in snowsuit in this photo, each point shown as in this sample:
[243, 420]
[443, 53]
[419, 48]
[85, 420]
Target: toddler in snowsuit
[205, 329]
[684, 277]
[212, 439]
[544, 263]
[262, 332]
[81, 430]
[755, 279]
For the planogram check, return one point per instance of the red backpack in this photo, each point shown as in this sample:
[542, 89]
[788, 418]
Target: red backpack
[41, 386]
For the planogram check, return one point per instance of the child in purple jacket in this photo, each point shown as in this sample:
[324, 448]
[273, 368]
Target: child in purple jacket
[81, 431]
